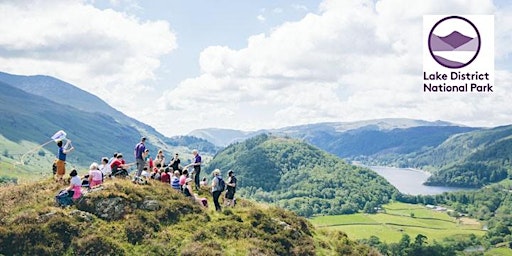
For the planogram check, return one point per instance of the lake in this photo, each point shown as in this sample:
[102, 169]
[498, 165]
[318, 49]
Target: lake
[410, 181]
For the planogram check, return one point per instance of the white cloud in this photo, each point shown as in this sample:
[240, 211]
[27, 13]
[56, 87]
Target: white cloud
[354, 60]
[102, 51]
[351, 60]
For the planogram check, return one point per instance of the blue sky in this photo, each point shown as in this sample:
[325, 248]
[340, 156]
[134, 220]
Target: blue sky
[185, 65]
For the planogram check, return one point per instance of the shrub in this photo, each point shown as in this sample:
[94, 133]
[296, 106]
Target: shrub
[95, 245]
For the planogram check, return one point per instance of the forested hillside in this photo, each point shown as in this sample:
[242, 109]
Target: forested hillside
[300, 177]
[471, 159]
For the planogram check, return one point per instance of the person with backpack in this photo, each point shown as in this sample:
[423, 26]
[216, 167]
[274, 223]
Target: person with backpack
[218, 185]
[231, 189]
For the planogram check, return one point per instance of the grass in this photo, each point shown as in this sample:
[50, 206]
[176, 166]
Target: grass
[31, 224]
[396, 221]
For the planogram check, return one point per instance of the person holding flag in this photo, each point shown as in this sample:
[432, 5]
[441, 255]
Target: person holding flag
[61, 158]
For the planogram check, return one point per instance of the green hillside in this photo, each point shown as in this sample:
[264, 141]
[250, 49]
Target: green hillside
[121, 218]
[300, 177]
[470, 159]
[33, 108]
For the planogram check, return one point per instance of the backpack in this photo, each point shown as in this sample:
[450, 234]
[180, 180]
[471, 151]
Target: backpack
[63, 198]
[221, 184]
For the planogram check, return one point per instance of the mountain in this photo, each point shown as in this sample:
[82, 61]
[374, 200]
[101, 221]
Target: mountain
[222, 137]
[471, 159]
[69, 95]
[371, 138]
[121, 218]
[33, 108]
[300, 177]
[28, 117]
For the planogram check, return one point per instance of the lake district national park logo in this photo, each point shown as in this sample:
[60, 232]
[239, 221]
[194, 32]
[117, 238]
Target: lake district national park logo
[458, 53]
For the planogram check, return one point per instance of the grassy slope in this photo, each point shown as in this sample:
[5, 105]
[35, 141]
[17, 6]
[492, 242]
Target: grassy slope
[397, 220]
[31, 224]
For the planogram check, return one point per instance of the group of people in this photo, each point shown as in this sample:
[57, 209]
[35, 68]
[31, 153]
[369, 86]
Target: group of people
[177, 176]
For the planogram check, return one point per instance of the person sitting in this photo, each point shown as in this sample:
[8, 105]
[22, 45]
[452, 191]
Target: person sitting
[159, 159]
[203, 182]
[175, 180]
[75, 185]
[165, 177]
[105, 168]
[183, 178]
[119, 167]
[95, 176]
[187, 191]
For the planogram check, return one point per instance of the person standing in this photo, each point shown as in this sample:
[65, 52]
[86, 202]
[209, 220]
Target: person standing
[217, 189]
[61, 159]
[231, 189]
[197, 168]
[139, 153]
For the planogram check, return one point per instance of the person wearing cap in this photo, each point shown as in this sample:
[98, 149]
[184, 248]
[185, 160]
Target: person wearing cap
[139, 152]
[231, 189]
[216, 190]
[187, 188]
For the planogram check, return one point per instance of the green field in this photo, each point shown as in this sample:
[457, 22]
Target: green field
[397, 220]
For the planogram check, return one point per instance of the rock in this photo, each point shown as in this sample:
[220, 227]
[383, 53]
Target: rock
[110, 208]
[150, 205]
[82, 216]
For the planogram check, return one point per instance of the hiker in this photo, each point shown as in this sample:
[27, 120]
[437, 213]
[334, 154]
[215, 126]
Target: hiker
[187, 188]
[197, 168]
[203, 182]
[119, 167]
[175, 163]
[217, 188]
[75, 185]
[183, 177]
[187, 191]
[231, 189]
[95, 175]
[159, 158]
[105, 168]
[61, 156]
[165, 177]
[175, 180]
[140, 157]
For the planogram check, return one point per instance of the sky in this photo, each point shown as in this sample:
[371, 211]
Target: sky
[248, 65]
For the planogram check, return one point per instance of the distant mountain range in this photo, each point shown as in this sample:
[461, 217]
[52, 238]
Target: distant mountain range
[352, 139]
[32, 108]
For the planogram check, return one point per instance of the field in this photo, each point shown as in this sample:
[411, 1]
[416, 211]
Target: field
[399, 219]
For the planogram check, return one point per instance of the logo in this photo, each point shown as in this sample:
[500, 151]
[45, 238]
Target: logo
[454, 42]
[458, 54]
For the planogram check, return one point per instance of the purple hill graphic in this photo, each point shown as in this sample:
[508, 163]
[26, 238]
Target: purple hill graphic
[455, 41]
[448, 63]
